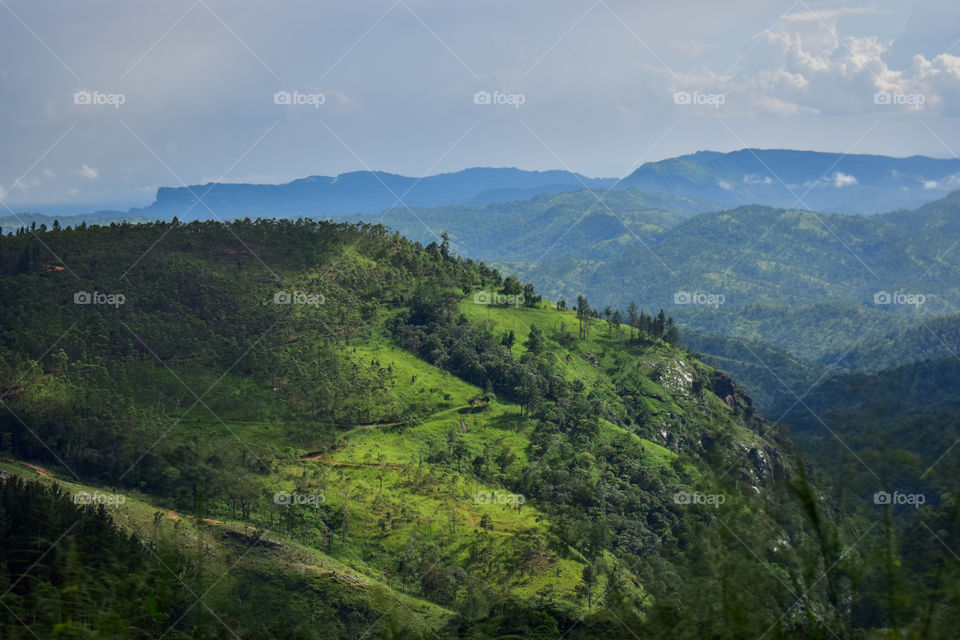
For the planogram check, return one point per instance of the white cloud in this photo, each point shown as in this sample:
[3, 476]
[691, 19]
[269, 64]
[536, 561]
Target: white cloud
[752, 178]
[950, 182]
[723, 184]
[88, 172]
[841, 180]
[803, 66]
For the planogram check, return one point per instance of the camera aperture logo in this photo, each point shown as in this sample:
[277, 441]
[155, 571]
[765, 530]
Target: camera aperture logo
[98, 297]
[705, 299]
[297, 498]
[298, 297]
[697, 98]
[486, 497]
[885, 297]
[296, 98]
[897, 499]
[499, 98]
[99, 99]
[915, 100]
[687, 497]
[97, 498]
[486, 297]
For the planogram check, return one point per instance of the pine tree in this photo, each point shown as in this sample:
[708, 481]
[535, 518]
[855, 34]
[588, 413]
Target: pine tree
[659, 324]
[583, 313]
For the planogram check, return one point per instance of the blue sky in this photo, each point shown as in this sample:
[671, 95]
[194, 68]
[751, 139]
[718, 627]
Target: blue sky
[104, 101]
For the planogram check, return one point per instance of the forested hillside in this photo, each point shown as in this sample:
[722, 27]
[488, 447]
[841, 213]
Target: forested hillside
[329, 431]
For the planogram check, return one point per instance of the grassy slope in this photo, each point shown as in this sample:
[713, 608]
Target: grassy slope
[227, 543]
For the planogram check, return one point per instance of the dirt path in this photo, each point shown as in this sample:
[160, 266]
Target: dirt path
[173, 515]
[40, 470]
[352, 465]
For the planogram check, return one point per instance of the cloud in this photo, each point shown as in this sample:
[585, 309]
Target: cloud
[20, 187]
[723, 184]
[88, 172]
[838, 180]
[841, 180]
[803, 66]
[950, 182]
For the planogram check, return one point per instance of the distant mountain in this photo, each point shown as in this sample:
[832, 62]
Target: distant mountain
[825, 181]
[591, 223]
[359, 192]
[831, 182]
[761, 255]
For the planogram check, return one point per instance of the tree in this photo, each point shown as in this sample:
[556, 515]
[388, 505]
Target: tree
[445, 245]
[632, 317]
[505, 458]
[486, 523]
[589, 581]
[530, 297]
[659, 324]
[512, 286]
[535, 343]
[583, 314]
[615, 323]
[670, 333]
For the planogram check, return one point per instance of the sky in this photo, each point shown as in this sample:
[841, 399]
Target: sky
[104, 101]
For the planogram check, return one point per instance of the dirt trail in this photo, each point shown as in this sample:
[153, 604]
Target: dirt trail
[170, 514]
[352, 465]
[40, 470]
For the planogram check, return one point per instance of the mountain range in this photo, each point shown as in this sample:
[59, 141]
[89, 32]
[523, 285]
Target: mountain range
[359, 192]
[831, 182]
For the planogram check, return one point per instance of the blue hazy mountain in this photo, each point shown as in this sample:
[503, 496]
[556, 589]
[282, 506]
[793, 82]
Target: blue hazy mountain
[830, 182]
[360, 192]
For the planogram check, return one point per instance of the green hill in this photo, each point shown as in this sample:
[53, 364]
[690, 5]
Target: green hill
[325, 430]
